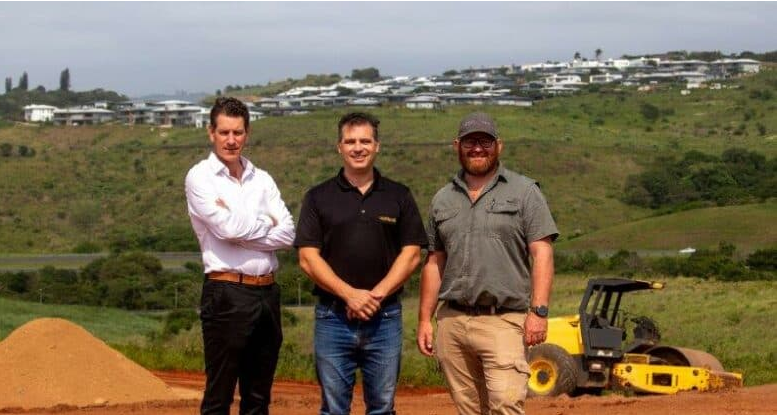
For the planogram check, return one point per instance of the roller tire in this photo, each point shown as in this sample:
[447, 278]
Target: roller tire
[553, 371]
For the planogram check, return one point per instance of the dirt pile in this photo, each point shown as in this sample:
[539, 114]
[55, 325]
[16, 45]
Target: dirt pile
[49, 362]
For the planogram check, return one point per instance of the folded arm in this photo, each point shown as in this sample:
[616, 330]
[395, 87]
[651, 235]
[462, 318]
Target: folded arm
[225, 223]
[281, 235]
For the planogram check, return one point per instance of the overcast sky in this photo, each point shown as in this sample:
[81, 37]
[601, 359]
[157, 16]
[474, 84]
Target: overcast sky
[142, 48]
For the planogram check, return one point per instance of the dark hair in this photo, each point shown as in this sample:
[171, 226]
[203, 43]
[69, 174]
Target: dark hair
[231, 107]
[358, 118]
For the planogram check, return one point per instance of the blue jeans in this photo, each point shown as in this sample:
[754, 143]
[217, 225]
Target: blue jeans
[342, 345]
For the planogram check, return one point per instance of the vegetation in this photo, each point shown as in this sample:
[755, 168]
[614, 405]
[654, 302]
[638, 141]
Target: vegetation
[370, 74]
[712, 55]
[118, 188]
[131, 280]
[737, 176]
[273, 88]
[717, 317]
[13, 102]
[669, 230]
[722, 263]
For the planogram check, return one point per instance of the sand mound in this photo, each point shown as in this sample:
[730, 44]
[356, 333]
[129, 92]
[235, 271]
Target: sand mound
[49, 362]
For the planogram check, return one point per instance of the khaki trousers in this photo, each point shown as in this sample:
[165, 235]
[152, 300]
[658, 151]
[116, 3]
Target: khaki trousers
[483, 359]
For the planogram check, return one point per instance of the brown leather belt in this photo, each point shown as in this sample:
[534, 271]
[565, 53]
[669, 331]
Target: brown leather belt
[247, 279]
[480, 310]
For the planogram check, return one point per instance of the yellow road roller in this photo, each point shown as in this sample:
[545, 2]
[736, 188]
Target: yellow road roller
[586, 353]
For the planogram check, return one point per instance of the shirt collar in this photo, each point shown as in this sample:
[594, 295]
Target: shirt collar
[345, 185]
[218, 167]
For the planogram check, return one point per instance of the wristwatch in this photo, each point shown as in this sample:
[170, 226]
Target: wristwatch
[539, 310]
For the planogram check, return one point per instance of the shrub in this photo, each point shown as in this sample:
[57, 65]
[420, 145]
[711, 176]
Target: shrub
[179, 320]
[763, 260]
[649, 111]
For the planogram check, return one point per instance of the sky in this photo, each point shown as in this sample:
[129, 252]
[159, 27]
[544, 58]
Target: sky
[143, 48]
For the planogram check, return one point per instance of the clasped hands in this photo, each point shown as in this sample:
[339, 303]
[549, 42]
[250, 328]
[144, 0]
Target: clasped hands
[363, 304]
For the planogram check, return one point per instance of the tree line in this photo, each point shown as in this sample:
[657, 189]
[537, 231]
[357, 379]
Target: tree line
[15, 98]
[737, 176]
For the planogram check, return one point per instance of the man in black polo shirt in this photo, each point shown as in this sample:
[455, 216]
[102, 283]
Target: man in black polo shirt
[359, 238]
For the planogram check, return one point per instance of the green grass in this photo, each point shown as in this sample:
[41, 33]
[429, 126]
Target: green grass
[731, 320]
[747, 227]
[89, 184]
[112, 325]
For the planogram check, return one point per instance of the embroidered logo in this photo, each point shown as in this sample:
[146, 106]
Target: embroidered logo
[387, 219]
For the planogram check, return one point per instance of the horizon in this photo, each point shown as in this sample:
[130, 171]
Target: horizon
[141, 49]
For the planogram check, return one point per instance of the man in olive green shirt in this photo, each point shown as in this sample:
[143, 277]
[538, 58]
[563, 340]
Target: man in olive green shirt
[491, 262]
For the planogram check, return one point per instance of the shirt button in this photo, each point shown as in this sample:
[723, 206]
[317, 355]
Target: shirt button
[362, 211]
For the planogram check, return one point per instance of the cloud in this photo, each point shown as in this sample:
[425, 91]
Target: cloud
[139, 48]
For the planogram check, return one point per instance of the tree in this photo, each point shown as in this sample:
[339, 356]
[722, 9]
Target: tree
[598, 53]
[23, 82]
[64, 80]
[577, 56]
[8, 84]
[366, 74]
[450, 72]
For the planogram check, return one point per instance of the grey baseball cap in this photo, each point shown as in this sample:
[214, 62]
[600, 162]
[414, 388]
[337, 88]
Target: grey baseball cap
[477, 122]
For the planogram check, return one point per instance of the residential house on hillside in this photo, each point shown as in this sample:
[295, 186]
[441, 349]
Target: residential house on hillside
[39, 113]
[428, 102]
[177, 113]
[131, 113]
[82, 116]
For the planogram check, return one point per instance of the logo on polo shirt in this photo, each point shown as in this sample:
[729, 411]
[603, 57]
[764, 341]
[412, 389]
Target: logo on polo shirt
[387, 219]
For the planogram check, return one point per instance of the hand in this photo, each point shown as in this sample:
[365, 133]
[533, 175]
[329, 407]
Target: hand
[425, 338]
[362, 304]
[535, 329]
[221, 203]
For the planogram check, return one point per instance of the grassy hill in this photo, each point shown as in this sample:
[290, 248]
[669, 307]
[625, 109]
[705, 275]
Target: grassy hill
[105, 184]
[748, 227]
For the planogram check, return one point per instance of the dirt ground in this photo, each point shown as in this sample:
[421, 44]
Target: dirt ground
[303, 399]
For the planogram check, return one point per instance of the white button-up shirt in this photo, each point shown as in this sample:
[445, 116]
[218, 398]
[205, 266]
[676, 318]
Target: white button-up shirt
[239, 237]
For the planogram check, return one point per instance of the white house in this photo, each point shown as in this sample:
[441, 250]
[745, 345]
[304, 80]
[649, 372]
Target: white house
[738, 65]
[82, 116]
[39, 113]
[605, 78]
[513, 101]
[427, 102]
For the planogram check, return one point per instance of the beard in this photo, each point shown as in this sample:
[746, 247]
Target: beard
[481, 166]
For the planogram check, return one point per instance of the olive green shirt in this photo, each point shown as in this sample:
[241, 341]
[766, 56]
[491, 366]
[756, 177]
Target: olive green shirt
[487, 242]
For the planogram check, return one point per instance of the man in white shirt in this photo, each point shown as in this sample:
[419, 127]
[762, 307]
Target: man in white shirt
[240, 221]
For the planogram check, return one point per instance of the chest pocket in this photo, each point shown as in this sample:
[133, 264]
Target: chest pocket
[444, 221]
[503, 219]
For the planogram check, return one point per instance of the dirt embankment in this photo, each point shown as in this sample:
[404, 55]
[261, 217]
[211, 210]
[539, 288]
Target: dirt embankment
[49, 362]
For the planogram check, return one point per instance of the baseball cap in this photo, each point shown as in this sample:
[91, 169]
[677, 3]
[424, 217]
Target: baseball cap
[477, 122]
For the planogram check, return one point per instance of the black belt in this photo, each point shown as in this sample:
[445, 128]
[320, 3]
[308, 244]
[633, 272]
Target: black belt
[481, 310]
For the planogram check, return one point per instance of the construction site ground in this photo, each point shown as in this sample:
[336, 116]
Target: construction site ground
[303, 399]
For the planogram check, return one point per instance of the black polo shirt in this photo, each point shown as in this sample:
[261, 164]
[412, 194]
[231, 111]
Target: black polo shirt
[360, 236]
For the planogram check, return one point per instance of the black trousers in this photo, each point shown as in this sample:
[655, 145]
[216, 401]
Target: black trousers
[241, 331]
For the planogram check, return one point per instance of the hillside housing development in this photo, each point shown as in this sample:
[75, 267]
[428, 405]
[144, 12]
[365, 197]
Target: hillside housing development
[509, 85]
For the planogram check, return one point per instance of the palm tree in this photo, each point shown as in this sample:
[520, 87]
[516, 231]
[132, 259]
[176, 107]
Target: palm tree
[598, 53]
[577, 56]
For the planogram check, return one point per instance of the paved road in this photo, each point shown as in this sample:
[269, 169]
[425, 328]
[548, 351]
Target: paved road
[18, 262]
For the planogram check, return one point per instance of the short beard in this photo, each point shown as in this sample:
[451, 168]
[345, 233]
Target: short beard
[492, 161]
